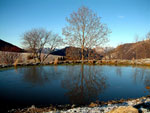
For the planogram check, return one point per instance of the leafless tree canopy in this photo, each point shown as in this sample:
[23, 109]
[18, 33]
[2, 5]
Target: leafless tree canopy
[148, 36]
[85, 30]
[8, 57]
[37, 39]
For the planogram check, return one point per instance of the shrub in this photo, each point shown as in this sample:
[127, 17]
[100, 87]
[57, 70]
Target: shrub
[56, 61]
[8, 57]
[30, 57]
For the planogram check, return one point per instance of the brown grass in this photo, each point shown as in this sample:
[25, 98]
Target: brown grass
[56, 61]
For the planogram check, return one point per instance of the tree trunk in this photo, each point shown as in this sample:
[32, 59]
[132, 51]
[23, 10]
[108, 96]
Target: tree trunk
[82, 52]
[82, 85]
[89, 54]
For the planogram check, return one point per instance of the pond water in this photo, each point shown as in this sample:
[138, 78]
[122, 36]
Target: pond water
[71, 84]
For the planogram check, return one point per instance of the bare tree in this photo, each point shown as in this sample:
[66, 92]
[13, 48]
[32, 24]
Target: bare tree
[8, 57]
[148, 36]
[85, 30]
[146, 45]
[142, 46]
[37, 39]
[136, 51]
[108, 52]
[120, 52]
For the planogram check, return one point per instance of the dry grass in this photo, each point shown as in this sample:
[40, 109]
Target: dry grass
[56, 61]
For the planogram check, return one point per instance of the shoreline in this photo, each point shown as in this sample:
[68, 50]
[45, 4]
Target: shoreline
[141, 104]
[141, 62]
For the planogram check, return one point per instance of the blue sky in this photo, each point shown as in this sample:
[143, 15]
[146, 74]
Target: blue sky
[125, 18]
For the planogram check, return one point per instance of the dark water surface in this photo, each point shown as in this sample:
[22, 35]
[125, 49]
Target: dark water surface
[70, 84]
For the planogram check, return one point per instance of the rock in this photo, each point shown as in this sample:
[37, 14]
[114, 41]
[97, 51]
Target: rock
[51, 62]
[32, 107]
[123, 109]
[73, 106]
[99, 62]
[91, 62]
[147, 87]
[144, 110]
[70, 62]
[93, 105]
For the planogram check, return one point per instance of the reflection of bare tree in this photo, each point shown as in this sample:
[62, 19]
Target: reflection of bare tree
[39, 75]
[119, 71]
[142, 75]
[147, 81]
[138, 74]
[84, 84]
[135, 75]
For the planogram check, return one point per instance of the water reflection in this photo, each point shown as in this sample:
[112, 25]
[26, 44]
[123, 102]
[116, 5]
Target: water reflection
[84, 84]
[138, 74]
[39, 75]
[147, 81]
[142, 75]
[118, 71]
[81, 84]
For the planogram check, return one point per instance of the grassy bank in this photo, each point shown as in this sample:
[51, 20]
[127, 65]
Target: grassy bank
[139, 62]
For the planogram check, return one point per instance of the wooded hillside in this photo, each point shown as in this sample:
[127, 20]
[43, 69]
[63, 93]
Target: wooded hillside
[130, 51]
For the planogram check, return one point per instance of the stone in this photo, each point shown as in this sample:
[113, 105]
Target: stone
[93, 105]
[73, 106]
[144, 110]
[147, 87]
[99, 62]
[124, 109]
[32, 107]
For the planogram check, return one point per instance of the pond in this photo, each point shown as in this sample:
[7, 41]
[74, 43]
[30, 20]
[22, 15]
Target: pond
[71, 84]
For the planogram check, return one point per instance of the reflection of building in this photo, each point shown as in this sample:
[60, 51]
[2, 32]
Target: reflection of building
[84, 84]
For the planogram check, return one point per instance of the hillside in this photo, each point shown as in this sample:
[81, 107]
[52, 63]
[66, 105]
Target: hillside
[5, 46]
[130, 51]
